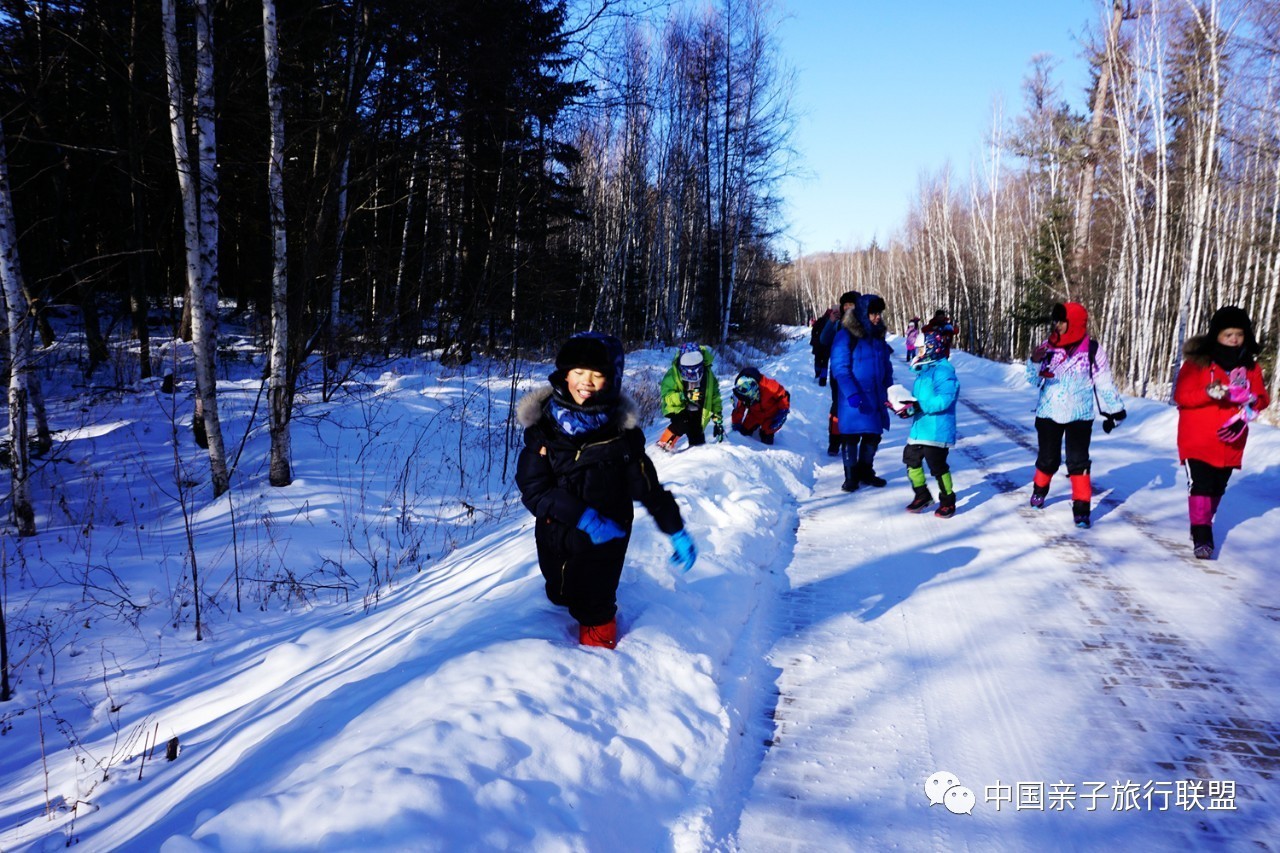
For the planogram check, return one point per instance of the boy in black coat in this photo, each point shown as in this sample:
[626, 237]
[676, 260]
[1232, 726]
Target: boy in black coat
[582, 467]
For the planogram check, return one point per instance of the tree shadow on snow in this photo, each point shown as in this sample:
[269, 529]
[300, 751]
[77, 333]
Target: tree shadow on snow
[1122, 483]
[870, 590]
[1249, 495]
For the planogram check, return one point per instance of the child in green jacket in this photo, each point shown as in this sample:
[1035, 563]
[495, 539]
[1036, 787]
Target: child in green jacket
[691, 398]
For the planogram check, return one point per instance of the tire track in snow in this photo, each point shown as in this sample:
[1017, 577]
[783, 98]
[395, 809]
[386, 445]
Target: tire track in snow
[847, 718]
[1212, 729]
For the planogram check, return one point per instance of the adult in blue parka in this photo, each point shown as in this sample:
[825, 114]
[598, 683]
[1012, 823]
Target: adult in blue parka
[861, 364]
[848, 300]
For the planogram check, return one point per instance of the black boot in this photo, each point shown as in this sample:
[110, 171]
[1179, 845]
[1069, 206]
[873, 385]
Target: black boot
[1080, 509]
[851, 471]
[946, 505]
[868, 477]
[1202, 540]
[923, 500]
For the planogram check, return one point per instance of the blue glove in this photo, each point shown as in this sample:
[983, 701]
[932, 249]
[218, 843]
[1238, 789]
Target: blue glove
[599, 528]
[685, 552]
[777, 422]
[855, 400]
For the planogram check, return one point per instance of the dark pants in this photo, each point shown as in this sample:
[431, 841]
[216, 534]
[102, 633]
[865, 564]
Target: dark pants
[916, 455]
[858, 450]
[580, 576]
[689, 422]
[1078, 434]
[1207, 480]
[820, 361]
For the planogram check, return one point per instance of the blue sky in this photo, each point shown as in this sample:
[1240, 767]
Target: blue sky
[888, 91]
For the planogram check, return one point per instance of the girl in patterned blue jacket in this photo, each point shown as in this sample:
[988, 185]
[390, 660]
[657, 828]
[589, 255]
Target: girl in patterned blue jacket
[1073, 374]
[934, 429]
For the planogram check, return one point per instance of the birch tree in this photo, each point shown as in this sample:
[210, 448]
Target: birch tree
[1084, 208]
[202, 292]
[19, 357]
[278, 395]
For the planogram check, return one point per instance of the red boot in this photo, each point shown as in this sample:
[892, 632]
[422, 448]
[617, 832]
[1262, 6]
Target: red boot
[605, 636]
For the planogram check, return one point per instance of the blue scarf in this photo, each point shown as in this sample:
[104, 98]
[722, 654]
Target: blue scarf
[575, 420]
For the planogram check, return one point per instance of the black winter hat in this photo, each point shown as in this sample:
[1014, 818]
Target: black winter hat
[1229, 317]
[849, 297]
[593, 351]
[875, 305]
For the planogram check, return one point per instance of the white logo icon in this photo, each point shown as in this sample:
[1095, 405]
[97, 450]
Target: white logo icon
[960, 800]
[943, 788]
[937, 786]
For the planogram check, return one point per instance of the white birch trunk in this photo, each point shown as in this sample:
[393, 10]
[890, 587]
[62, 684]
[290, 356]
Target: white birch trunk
[198, 287]
[20, 356]
[1084, 209]
[278, 387]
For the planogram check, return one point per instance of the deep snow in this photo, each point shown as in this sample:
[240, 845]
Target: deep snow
[827, 655]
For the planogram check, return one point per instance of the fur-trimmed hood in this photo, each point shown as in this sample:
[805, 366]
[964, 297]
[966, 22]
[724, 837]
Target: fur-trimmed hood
[853, 323]
[857, 320]
[529, 408]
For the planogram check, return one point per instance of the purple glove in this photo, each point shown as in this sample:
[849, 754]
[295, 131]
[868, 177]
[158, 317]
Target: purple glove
[1238, 391]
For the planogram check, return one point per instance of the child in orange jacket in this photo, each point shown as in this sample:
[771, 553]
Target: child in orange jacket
[759, 403]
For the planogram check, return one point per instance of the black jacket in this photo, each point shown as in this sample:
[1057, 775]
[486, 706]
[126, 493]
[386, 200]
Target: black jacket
[560, 475]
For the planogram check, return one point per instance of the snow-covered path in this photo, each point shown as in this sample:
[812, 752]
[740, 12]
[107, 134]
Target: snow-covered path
[1073, 681]
[828, 654]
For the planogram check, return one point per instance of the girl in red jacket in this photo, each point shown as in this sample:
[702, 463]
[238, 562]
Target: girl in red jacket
[1219, 389]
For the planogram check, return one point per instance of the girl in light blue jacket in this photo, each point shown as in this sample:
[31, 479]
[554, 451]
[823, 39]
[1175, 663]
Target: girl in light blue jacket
[934, 429]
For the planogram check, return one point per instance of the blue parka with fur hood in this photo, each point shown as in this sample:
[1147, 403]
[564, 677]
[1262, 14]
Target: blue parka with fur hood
[862, 366]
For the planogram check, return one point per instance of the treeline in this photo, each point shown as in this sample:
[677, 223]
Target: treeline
[465, 173]
[1153, 209]
[387, 176]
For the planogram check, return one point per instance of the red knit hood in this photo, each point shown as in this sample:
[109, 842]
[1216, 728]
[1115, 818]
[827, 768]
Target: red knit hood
[1077, 326]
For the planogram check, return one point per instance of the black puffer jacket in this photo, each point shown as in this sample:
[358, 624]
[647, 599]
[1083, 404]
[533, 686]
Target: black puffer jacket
[561, 475]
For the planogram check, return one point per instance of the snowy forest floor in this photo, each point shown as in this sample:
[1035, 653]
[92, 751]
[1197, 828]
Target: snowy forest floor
[828, 654]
